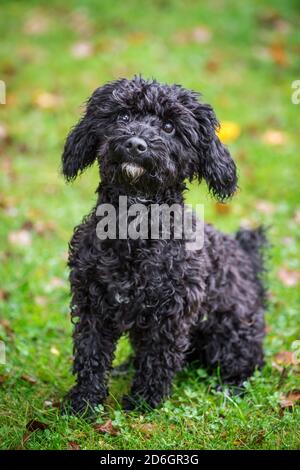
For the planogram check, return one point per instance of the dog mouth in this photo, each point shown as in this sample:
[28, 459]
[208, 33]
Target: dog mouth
[133, 171]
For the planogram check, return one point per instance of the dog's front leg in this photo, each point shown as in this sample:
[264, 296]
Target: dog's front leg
[94, 345]
[159, 354]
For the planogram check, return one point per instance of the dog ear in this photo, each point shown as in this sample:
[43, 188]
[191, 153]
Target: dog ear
[80, 148]
[216, 164]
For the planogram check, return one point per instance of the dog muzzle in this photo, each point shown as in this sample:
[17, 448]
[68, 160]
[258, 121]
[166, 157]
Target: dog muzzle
[132, 171]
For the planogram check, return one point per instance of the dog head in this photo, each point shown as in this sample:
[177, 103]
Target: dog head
[149, 136]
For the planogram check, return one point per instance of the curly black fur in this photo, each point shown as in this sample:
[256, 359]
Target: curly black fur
[177, 305]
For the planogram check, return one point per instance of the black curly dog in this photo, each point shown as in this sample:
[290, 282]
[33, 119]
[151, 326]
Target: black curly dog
[178, 305]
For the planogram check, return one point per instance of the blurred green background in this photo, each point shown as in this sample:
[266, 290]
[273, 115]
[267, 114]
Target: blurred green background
[243, 57]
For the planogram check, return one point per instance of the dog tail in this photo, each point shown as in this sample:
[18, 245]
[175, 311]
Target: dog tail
[255, 243]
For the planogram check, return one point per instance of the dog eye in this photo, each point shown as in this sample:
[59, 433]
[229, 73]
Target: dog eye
[124, 117]
[168, 127]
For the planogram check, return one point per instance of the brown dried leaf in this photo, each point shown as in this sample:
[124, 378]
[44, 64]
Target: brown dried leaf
[7, 327]
[272, 19]
[146, 429]
[52, 403]
[106, 428]
[34, 425]
[40, 227]
[288, 277]
[3, 378]
[222, 209]
[212, 65]
[278, 54]
[290, 399]
[29, 379]
[4, 295]
[284, 358]
[72, 445]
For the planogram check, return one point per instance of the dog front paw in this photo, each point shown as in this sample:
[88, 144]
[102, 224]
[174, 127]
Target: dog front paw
[81, 401]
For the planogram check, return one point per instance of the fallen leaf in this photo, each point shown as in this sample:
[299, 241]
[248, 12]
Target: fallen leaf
[212, 65]
[4, 295]
[238, 442]
[146, 428]
[290, 399]
[222, 209]
[40, 227]
[200, 35]
[7, 327]
[72, 445]
[228, 132]
[29, 378]
[3, 378]
[288, 277]
[36, 24]
[278, 54]
[274, 137]
[284, 358]
[20, 238]
[47, 100]
[3, 132]
[27, 225]
[56, 282]
[106, 428]
[34, 425]
[52, 403]
[40, 300]
[54, 351]
[271, 19]
[297, 217]
[7, 167]
[137, 37]
[259, 437]
[266, 207]
[80, 50]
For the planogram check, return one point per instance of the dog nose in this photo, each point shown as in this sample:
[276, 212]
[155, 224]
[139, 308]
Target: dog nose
[136, 145]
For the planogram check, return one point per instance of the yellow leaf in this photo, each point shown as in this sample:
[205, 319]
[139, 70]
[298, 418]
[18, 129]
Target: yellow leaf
[54, 351]
[46, 100]
[228, 132]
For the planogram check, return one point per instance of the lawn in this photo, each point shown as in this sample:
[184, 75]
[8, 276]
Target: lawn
[243, 56]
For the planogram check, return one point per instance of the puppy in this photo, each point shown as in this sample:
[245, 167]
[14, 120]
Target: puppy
[178, 305]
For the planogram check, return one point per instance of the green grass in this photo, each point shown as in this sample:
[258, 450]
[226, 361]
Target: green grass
[245, 83]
